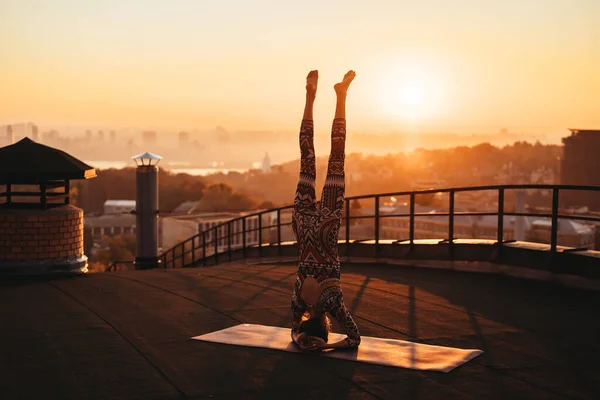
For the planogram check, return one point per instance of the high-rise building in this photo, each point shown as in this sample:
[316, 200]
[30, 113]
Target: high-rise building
[101, 136]
[266, 163]
[184, 139]
[16, 132]
[35, 134]
[113, 136]
[10, 134]
[580, 165]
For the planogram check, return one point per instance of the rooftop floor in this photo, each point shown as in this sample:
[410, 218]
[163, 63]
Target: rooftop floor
[127, 335]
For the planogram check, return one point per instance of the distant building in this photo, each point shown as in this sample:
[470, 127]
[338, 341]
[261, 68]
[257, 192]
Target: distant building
[10, 135]
[175, 229]
[111, 225]
[101, 136]
[118, 206]
[187, 207]
[266, 163]
[580, 165]
[35, 134]
[21, 131]
[184, 139]
[113, 136]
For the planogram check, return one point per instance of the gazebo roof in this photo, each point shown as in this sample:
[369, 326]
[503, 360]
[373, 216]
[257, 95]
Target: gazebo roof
[28, 161]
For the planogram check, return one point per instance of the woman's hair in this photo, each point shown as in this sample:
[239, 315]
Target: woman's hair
[316, 326]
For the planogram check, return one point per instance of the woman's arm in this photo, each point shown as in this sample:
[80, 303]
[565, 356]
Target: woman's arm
[338, 311]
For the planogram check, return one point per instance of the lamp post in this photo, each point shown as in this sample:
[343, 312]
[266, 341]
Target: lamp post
[146, 210]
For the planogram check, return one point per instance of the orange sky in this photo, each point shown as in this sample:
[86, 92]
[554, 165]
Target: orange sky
[197, 64]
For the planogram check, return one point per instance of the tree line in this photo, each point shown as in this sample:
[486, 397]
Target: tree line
[483, 164]
[174, 189]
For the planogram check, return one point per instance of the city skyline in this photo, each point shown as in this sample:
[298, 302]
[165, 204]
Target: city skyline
[421, 67]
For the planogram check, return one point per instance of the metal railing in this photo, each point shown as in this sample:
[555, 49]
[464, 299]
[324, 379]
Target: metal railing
[219, 242]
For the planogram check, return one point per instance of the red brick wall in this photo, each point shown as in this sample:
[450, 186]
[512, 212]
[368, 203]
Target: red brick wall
[41, 234]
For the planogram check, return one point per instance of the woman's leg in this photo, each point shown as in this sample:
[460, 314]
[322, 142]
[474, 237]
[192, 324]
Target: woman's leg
[305, 192]
[332, 198]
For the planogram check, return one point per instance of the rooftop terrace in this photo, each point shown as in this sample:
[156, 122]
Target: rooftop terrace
[125, 335]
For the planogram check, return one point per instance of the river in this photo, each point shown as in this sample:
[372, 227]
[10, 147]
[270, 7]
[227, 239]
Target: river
[176, 168]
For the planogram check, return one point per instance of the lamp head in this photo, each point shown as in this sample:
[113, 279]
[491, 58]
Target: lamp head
[146, 159]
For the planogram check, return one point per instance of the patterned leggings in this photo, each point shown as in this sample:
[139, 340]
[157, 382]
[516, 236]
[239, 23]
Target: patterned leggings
[317, 229]
[332, 198]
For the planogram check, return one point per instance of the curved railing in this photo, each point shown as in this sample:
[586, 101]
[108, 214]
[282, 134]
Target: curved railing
[248, 231]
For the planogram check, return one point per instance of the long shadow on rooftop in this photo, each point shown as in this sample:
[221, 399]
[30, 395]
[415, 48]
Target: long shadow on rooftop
[543, 334]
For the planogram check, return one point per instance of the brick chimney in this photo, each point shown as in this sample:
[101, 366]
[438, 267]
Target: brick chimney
[40, 232]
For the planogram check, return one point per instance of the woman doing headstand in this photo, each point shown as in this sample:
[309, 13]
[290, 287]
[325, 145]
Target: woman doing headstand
[317, 290]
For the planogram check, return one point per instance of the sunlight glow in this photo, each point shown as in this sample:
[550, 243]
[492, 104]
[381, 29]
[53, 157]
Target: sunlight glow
[410, 101]
[411, 91]
[411, 96]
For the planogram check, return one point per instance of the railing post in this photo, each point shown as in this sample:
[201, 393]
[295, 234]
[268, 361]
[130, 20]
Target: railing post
[229, 241]
[182, 254]
[193, 251]
[500, 219]
[260, 234]
[216, 240]
[451, 223]
[204, 248]
[279, 232]
[554, 232]
[376, 226]
[411, 221]
[347, 223]
[244, 237]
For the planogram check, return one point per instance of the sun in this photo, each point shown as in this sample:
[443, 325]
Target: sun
[406, 100]
[411, 95]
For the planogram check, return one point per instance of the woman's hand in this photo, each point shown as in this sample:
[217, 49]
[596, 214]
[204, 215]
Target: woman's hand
[304, 342]
[298, 338]
[318, 342]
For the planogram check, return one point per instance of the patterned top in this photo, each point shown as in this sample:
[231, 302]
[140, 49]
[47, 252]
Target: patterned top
[317, 228]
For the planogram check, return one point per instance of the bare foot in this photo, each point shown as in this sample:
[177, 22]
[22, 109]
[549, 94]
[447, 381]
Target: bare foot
[311, 83]
[342, 87]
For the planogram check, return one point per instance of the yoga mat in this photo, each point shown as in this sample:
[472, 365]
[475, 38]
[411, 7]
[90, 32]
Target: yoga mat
[392, 352]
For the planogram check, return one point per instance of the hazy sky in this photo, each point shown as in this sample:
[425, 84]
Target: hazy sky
[186, 64]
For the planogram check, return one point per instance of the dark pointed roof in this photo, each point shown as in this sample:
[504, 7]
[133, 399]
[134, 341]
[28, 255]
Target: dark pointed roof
[28, 161]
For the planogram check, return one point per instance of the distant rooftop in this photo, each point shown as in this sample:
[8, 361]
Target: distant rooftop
[187, 207]
[120, 203]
